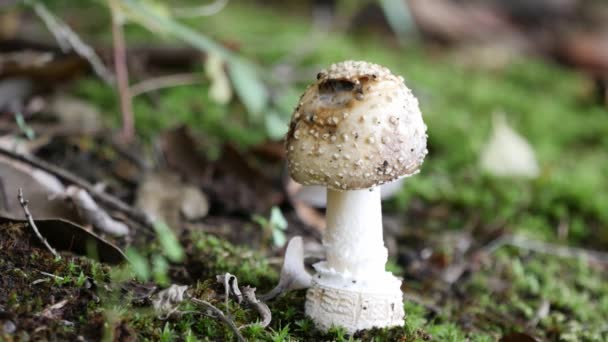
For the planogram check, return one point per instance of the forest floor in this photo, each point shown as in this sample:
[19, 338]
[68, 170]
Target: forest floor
[482, 257]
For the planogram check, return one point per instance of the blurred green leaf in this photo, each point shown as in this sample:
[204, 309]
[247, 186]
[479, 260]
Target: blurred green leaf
[286, 100]
[398, 15]
[277, 220]
[169, 242]
[276, 125]
[278, 238]
[151, 18]
[262, 221]
[245, 79]
[278, 224]
[24, 127]
[139, 264]
[160, 269]
[220, 90]
[250, 89]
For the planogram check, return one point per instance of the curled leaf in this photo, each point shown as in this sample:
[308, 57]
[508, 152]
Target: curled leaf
[166, 301]
[293, 274]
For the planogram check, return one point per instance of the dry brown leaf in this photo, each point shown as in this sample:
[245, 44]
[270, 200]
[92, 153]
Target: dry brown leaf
[68, 236]
[231, 182]
[163, 195]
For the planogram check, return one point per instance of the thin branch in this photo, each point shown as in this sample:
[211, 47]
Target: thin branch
[122, 72]
[546, 248]
[102, 197]
[29, 218]
[52, 275]
[201, 11]
[157, 83]
[90, 211]
[221, 316]
[69, 40]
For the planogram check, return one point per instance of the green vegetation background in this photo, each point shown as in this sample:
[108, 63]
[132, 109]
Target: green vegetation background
[545, 103]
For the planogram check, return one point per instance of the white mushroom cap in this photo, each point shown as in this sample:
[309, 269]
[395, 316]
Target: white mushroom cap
[357, 127]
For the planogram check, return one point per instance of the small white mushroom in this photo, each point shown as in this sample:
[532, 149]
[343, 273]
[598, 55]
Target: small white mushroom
[352, 288]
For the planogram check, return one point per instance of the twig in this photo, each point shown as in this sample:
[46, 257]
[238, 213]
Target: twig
[221, 316]
[52, 275]
[69, 40]
[157, 83]
[261, 307]
[122, 72]
[93, 214]
[29, 218]
[201, 11]
[546, 248]
[102, 197]
[542, 312]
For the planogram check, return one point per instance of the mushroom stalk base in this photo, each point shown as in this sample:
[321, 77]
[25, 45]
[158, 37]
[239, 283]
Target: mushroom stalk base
[352, 289]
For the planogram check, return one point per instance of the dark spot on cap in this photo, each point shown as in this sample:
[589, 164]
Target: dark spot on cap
[334, 86]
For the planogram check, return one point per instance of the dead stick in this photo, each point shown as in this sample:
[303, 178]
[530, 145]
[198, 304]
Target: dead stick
[546, 248]
[122, 72]
[68, 177]
[69, 40]
[221, 316]
[29, 218]
[260, 307]
[161, 82]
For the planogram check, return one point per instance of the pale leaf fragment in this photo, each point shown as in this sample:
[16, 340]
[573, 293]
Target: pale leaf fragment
[507, 153]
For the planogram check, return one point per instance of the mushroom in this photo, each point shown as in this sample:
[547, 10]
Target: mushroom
[357, 127]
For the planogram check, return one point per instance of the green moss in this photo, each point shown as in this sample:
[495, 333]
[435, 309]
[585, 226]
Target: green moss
[541, 101]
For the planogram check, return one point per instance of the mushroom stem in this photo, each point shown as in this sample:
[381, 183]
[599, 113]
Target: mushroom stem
[353, 240]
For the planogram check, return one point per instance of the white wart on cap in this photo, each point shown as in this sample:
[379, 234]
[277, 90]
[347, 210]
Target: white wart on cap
[356, 127]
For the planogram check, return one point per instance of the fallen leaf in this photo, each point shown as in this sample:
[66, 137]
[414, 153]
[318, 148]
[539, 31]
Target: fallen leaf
[168, 300]
[232, 183]
[75, 115]
[68, 236]
[164, 196]
[240, 186]
[180, 151]
[40, 188]
[507, 153]
[54, 311]
[194, 204]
